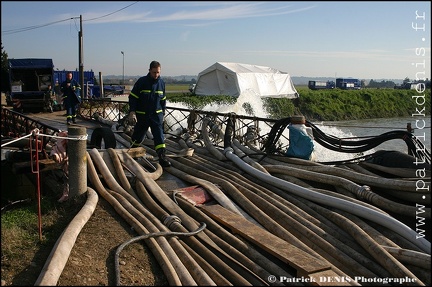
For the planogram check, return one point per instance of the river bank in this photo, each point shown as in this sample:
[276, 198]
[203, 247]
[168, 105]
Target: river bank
[321, 105]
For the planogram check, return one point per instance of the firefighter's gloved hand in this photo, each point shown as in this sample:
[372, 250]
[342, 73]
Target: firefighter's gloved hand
[132, 118]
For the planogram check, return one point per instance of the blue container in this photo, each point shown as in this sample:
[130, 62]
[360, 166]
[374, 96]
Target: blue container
[89, 81]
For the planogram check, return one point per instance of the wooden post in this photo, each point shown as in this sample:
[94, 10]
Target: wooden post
[411, 131]
[409, 128]
[77, 160]
[101, 90]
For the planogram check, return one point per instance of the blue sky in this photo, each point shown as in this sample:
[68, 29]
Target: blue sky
[366, 40]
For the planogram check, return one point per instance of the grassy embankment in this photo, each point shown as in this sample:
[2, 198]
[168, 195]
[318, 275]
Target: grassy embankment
[328, 105]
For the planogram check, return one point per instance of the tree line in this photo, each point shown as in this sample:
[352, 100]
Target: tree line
[5, 85]
[390, 84]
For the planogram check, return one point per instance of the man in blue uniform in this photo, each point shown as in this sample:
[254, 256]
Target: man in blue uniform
[71, 97]
[147, 102]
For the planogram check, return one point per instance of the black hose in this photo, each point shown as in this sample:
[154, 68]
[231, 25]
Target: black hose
[352, 145]
[146, 236]
[274, 135]
[361, 144]
[229, 130]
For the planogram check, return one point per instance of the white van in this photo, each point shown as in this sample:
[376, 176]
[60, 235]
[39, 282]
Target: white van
[192, 88]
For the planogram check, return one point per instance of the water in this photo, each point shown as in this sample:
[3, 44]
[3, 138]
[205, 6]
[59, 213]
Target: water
[375, 127]
[340, 129]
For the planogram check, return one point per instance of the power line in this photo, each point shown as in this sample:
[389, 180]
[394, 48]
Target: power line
[13, 31]
[111, 12]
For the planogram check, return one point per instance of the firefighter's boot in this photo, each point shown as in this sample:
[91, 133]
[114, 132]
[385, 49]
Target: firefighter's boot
[162, 158]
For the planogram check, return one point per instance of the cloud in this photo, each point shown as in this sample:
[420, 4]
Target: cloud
[205, 11]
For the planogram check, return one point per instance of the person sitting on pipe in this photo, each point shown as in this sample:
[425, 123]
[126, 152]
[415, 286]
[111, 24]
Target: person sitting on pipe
[59, 155]
[301, 143]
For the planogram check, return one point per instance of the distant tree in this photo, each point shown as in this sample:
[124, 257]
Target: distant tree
[372, 84]
[5, 87]
[382, 84]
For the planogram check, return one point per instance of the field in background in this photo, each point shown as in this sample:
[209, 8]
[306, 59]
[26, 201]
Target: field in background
[177, 88]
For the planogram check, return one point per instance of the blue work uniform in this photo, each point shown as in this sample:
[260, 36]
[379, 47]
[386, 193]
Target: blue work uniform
[147, 99]
[71, 98]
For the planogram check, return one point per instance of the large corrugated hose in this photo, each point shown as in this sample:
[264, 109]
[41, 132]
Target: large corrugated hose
[353, 145]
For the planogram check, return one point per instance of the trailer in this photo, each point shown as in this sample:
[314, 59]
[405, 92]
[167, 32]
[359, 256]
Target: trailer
[348, 84]
[30, 81]
[320, 85]
[108, 91]
[407, 86]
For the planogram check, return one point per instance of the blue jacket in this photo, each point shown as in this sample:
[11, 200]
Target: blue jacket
[148, 96]
[71, 94]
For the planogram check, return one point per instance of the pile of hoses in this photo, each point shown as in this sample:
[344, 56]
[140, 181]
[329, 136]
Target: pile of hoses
[200, 261]
[294, 201]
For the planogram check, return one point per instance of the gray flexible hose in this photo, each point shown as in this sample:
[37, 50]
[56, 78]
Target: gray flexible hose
[60, 253]
[345, 205]
[146, 236]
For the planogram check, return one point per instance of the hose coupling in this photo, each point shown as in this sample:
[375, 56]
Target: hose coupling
[228, 149]
[364, 192]
[168, 220]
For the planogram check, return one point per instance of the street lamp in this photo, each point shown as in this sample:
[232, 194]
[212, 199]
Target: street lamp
[123, 67]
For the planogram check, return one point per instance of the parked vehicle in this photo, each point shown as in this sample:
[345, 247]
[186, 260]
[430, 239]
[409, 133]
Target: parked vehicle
[341, 83]
[319, 85]
[30, 80]
[108, 91]
[192, 88]
[406, 86]
[348, 84]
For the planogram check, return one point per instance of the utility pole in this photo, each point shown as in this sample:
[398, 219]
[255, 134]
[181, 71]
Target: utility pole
[123, 67]
[81, 58]
[77, 166]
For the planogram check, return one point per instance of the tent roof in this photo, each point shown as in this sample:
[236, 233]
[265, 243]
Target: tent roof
[235, 79]
[241, 68]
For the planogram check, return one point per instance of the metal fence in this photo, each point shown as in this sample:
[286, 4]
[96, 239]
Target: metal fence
[16, 125]
[181, 120]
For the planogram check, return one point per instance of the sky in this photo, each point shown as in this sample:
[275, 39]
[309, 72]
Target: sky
[364, 39]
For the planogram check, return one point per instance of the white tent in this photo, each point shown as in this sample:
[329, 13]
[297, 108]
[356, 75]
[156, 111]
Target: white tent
[235, 79]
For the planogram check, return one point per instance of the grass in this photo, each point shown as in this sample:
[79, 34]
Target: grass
[20, 221]
[24, 250]
[325, 105]
[177, 87]
[20, 231]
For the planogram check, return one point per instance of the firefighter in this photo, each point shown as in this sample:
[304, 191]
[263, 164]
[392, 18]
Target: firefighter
[71, 97]
[147, 102]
